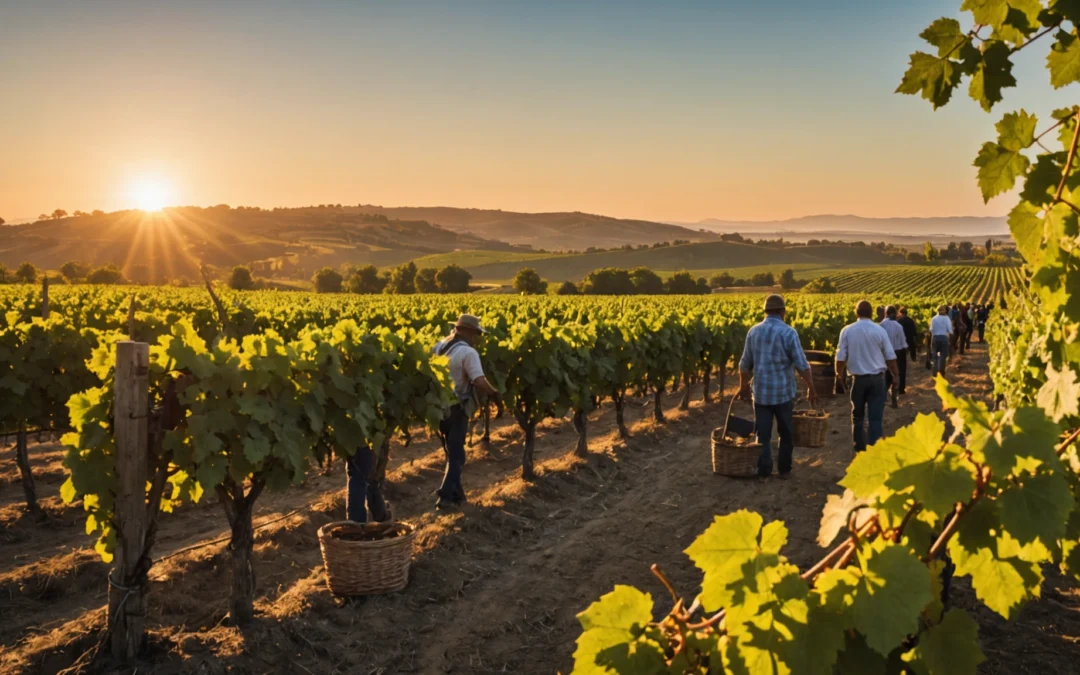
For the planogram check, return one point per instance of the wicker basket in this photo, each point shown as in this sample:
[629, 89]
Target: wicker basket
[823, 371]
[366, 567]
[729, 459]
[809, 427]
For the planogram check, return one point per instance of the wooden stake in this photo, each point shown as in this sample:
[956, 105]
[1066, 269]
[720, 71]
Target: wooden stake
[127, 600]
[45, 297]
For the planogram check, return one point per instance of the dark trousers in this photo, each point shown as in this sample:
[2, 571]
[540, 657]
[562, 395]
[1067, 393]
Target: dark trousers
[868, 395]
[982, 332]
[901, 370]
[940, 353]
[453, 430]
[364, 489]
[765, 414]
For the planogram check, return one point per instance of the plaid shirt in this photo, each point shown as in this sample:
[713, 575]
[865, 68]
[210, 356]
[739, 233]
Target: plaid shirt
[772, 352]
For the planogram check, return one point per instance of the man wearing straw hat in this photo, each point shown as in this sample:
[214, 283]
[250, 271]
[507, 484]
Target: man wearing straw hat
[468, 376]
[771, 355]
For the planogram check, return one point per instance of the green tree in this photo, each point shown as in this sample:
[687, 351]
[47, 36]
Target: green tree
[327, 280]
[26, 273]
[915, 257]
[930, 252]
[241, 279]
[74, 270]
[966, 250]
[763, 279]
[608, 281]
[425, 280]
[365, 280]
[402, 280]
[567, 288]
[681, 283]
[106, 275]
[787, 280]
[453, 279]
[989, 246]
[646, 282]
[722, 280]
[528, 282]
[820, 285]
[58, 214]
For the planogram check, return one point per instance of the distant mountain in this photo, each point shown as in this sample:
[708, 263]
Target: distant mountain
[177, 241]
[859, 227]
[550, 231]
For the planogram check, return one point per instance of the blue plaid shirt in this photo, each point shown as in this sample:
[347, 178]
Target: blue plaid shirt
[772, 352]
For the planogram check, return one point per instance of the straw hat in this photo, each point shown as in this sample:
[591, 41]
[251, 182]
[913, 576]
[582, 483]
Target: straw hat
[469, 321]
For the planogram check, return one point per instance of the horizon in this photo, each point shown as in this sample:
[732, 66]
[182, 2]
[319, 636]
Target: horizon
[623, 109]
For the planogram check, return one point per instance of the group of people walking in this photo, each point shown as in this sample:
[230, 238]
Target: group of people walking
[952, 329]
[873, 353]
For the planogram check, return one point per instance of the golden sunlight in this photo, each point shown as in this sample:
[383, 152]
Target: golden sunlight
[150, 193]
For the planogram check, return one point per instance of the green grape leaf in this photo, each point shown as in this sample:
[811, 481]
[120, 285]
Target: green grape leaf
[834, 517]
[940, 478]
[612, 635]
[1041, 184]
[1002, 584]
[1059, 395]
[932, 77]
[1037, 509]
[1063, 61]
[730, 543]
[871, 470]
[949, 648]
[1012, 20]
[1026, 225]
[1001, 163]
[857, 657]
[993, 73]
[890, 594]
[945, 34]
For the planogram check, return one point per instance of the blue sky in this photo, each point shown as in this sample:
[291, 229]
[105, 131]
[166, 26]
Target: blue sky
[673, 110]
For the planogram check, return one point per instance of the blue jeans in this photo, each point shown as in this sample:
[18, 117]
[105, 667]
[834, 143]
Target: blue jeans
[453, 430]
[868, 396]
[765, 414]
[940, 352]
[364, 489]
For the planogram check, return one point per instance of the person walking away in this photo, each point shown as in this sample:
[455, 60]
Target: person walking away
[941, 329]
[911, 334]
[771, 354]
[880, 313]
[958, 330]
[981, 317]
[900, 346]
[866, 351]
[468, 376]
[969, 325]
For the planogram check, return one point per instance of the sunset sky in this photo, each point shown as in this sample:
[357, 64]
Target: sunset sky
[658, 110]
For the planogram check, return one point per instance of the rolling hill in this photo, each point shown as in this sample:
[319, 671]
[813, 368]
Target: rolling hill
[285, 242]
[550, 231]
[699, 257]
[851, 227]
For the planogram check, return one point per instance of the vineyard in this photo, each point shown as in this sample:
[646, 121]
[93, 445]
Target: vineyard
[954, 283]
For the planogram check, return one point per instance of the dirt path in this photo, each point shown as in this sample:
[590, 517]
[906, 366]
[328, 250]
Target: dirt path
[494, 588]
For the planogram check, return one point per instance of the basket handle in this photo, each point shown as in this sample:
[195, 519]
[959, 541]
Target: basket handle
[727, 417]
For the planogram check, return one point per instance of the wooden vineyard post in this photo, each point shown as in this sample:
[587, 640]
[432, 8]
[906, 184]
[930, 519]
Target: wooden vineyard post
[45, 296]
[127, 600]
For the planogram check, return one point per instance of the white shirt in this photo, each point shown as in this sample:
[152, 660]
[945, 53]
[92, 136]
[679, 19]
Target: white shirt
[896, 333]
[865, 347]
[465, 365]
[941, 325]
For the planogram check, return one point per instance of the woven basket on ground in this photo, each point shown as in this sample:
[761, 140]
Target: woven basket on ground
[809, 427]
[734, 457]
[377, 564]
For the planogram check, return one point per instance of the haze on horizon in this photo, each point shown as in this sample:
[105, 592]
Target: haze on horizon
[675, 111]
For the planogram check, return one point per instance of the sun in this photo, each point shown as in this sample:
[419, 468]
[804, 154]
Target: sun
[150, 193]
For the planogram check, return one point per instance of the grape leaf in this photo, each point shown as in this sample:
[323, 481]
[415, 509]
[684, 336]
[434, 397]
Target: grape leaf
[1063, 61]
[1060, 393]
[869, 472]
[945, 34]
[730, 543]
[1001, 163]
[932, 77]
[834, 517]
[1041, 183]
[992, 74]
[940, 478]
[1037, 508]
[1026, 226]
[611, 638]
[1002, 584]
[890, 594]
[949, 648]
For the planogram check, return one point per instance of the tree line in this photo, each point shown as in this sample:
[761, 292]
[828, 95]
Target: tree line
[644, 281]
[72, 272]
[405, 279]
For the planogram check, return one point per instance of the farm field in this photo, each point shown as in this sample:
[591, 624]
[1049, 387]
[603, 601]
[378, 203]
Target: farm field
[968, 283]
